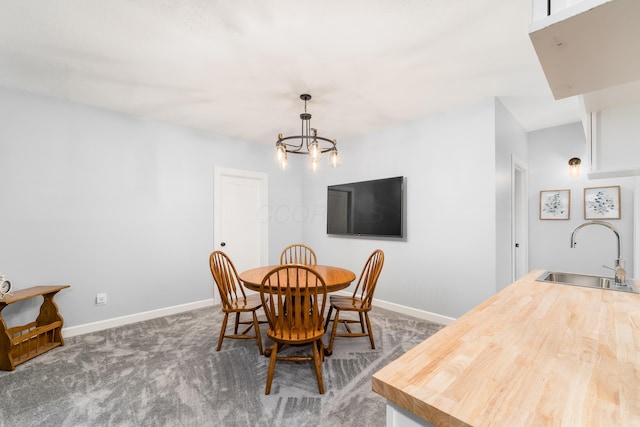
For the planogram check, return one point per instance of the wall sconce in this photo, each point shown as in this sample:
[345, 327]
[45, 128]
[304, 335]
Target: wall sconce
[574, 166]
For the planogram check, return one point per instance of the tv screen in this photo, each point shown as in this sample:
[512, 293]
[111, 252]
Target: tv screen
[367, 208]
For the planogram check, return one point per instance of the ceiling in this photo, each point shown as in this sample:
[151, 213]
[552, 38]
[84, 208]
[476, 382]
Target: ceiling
[238, 67]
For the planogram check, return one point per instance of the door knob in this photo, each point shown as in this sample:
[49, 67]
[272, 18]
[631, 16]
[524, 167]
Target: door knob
[223, 244]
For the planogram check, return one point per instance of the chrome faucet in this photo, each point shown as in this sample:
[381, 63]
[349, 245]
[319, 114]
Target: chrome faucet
[620, 273]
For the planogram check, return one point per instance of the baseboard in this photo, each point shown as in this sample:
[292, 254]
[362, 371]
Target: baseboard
[409, 311]
[153, 314]
[420, 314]
[133, 318]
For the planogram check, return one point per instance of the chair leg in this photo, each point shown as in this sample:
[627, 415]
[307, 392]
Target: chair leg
[224, 327]
[256, 326]
[237, 323]
[326, 323]
[361, 321]
[272, 366]
[317, 363]
[336, 321]
[366, 316]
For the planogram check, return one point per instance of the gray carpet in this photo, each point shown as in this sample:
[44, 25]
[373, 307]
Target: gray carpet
[166, 372]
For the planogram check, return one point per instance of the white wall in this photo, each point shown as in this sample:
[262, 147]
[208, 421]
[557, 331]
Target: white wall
[549, 153]
[110, 203]
[446, 264]
[511, 140]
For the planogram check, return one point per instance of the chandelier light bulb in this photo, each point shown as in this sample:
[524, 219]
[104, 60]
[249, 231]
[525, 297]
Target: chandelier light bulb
[314, 150]
[281, 153]
[333, 158]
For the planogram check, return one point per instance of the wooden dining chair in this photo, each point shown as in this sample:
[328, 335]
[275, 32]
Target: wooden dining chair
[359, 302]
[234, 300]
[293, 298]
[298, 253]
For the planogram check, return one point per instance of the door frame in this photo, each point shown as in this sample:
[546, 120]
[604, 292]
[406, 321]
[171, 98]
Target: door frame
[636, 230]
[263, 215]
[519, 216]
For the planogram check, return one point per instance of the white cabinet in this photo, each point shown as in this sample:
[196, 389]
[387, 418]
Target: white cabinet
[589, 46]
[399, 417]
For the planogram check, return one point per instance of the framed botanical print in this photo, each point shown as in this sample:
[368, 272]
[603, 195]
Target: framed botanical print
[555, 204]
[602, 202]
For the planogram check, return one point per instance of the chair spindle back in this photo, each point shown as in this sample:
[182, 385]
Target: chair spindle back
[226, 278]
[298, 253]
[293, 298]
[369, 278]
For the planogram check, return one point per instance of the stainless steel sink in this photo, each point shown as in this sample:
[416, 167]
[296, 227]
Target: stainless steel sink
[586, 280]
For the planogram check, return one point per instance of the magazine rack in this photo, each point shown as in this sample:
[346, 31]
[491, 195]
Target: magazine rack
[22, 343]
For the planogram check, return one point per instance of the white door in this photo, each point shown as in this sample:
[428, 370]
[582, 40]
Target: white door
[519, 219]
[241, 221]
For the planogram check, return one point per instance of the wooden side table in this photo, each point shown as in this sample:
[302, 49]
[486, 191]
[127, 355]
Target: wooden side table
[22, 343]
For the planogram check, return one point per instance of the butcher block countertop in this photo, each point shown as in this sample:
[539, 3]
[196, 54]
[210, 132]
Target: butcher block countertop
[535, 354]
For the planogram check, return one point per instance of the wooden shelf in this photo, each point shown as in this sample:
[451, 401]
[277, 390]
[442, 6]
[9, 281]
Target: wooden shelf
[22, 343]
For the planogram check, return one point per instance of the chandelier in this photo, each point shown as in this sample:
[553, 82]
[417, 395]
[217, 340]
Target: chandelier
[308, 143]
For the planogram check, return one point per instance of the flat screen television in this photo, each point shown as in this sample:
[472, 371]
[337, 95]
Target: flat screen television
[366, 208]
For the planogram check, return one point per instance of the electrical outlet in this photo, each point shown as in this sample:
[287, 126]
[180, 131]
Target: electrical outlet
[101, 298]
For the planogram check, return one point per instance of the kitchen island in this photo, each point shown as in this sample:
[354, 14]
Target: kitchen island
[534, 354]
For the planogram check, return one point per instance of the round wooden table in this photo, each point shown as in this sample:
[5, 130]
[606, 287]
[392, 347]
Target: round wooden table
[336, 278]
